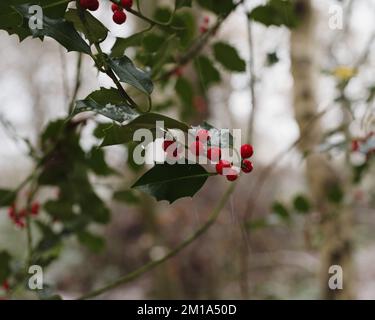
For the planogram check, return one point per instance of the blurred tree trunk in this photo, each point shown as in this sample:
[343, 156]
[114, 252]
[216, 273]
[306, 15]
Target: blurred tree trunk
[336, 225]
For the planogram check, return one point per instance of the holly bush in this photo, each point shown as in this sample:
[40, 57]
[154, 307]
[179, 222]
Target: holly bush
[149, 63]
[171, 40]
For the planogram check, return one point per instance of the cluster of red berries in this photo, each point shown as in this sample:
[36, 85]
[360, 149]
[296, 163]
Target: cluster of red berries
[91, 5]
[119, 15]
[205, 25]
[246, 165]
[18, 217]
[223, 167]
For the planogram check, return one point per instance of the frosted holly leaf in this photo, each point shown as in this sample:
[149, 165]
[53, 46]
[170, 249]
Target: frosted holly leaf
[109, 103]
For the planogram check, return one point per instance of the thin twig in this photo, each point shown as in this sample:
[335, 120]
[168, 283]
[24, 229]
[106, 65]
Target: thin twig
[252, 79]
[199, 44]
[77, 83]
[153, 264]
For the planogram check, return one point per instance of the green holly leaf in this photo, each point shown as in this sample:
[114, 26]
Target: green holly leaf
[60, 209]
[301, 204]
[152, 41]
[59, 29]
[221, 7]
[280, 210]
[109, 103]
[335, 194]
[162, 14]
[207, 71]
[121, 44]
[275, 12]
[256, 224]
[172, 182]
[124, 134]
[7, 197]
[97, 31]
[91, 241]
[185, 25]
[4, 265]
[12, 22]
[96, 162]
[228, 57]
[130, 74]
[182, 3]
[272, 58]
[185, 91]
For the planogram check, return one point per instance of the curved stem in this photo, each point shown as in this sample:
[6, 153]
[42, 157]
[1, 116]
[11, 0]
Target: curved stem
[153, 264]
[32, 192]
[252, 80]
[77, 83]
[102, 65]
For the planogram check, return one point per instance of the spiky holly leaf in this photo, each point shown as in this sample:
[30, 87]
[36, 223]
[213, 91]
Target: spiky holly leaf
[97, 31]
[6, 197]
[12, 22]
[206, 70]
[172, 182]
[59, 29]
[130, 74]
[228, 57]
[182, 3]
[124, 134]
[109, 103]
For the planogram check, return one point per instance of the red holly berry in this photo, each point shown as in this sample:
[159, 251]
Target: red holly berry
[173, 153]
[203, 135]
[178, 72]
[246, 151]
[166, 144]
[127, 4]
[214, 154]
[19, 222]
[232, 175]
[115, 7]
[12, 211]
[355, 145]
[197, 148]
[203, 29]
[89, 4]
[119, 17]
[200, 104]
[247, 166]
[94, 5]
[84, 3]
[35, 208]
[221, 165]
